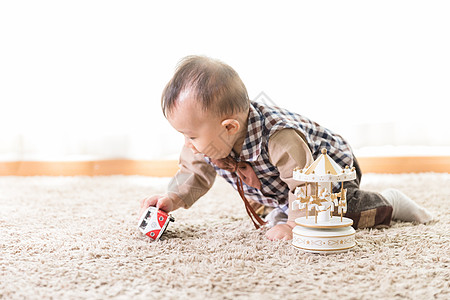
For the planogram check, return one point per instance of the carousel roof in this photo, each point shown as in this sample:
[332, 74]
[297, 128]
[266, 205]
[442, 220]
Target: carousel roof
[324, 169]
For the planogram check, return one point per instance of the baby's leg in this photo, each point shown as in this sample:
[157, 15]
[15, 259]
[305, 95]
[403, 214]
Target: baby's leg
[367, 209]
[405, 209]
[370, 209]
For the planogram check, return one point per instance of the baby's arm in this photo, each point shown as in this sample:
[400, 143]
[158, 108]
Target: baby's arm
[281, 231]
[192, 181]
[165, 202]
[288, 150]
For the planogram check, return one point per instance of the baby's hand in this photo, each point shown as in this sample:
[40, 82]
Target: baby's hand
[280, 232]
[160, 201]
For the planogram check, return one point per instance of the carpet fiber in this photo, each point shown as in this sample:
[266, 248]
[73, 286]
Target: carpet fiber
[76, 238]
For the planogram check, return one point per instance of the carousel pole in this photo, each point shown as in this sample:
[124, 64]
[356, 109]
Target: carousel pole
[342, 194]
[331, 192]
[317, 197]
[306, 196]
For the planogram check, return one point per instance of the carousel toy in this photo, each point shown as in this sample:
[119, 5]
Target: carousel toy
[322, 232]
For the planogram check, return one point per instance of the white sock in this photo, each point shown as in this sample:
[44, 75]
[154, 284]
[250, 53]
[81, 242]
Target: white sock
[276, 216]
[405, 209]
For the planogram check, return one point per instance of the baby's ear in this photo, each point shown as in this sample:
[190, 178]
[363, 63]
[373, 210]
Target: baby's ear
[231, 125]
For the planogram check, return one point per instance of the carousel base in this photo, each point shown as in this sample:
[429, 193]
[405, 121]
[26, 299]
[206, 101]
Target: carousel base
[332, 236]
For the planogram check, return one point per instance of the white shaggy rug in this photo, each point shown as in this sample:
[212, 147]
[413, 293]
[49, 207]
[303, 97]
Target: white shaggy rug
[76, 238]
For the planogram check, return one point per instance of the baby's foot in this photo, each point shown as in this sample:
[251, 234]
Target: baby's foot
[405, 209]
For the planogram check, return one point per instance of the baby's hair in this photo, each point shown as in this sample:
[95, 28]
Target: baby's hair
[215, 85]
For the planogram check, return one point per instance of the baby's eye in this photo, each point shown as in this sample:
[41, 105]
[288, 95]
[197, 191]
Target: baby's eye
[192, 138]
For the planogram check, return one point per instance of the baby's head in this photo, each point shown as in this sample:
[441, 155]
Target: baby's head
[207, 102]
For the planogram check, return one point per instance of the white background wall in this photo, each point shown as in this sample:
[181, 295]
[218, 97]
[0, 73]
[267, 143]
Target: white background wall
[83, 79]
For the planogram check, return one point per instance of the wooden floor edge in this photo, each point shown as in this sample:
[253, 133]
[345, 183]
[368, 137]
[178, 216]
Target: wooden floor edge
[157, 168]
[405, 164]
[167, 168]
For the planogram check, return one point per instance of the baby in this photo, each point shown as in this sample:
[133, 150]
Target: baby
[256, 147]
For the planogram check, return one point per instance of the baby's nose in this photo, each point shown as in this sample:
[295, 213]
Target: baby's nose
[187, 143]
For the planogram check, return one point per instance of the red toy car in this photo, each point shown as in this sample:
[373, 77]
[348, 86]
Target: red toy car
[154, 222]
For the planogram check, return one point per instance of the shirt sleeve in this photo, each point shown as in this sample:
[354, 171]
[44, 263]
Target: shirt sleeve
[288, 150]
[194, 178]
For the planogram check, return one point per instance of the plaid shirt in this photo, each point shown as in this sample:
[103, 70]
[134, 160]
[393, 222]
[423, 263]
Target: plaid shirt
[263, 122]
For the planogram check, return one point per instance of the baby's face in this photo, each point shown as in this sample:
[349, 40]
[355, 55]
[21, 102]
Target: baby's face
[203, 132]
